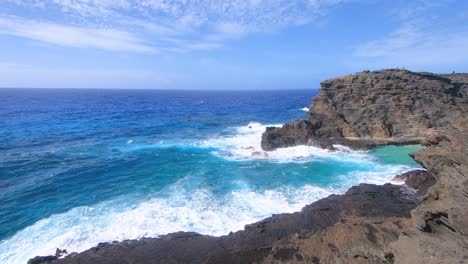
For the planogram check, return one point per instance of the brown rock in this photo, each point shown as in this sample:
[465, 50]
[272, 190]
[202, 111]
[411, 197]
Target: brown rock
[299, 132]
[352, 228]
[420, 180]
[378, 108]
[369, 224]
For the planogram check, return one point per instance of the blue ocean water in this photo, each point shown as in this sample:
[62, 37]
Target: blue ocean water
[79, 167]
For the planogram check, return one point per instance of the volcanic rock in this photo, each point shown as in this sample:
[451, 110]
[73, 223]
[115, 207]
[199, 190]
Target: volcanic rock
[370, 223]
[378, 108]
[356, 227]
[420, 180]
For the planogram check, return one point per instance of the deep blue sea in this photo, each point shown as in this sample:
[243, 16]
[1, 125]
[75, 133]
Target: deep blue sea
[79, 167]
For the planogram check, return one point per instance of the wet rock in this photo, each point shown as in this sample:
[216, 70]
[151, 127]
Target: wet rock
[420, 180]
[42, 260]
[370, 223]
[374, 216]
[299, 132]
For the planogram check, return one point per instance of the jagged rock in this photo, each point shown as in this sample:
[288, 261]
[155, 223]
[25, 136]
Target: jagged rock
[42, 260]
[388, 104]
[60, 252]
[440, 230]
[379, 108]
[299, 132]
[420, 180]
[369, 224]
[350, 228]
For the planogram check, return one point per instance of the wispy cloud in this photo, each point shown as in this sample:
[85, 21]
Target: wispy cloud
[406, 36]
[195, 25]
[74, 36]
[419, 42]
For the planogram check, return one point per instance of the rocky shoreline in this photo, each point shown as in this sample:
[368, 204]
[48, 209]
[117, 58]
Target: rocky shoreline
[423, 221]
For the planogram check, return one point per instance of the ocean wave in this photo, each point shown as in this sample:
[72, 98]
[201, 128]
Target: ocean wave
[198, 211]
[245, 144]
[165, 145]
[305, 109]
[179, 209]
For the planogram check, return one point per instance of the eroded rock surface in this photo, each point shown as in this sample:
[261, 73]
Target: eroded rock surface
[353, 228]
[420, 180]
[299, 132]
[440, 230]
[378, 108]
[369, 224]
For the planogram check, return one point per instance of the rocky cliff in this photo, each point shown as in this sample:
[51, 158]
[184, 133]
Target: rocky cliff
[439, 233]
[424, 221]
[380, 107]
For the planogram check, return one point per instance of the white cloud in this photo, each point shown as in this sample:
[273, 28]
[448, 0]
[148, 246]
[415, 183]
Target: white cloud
[73, 36]
[434, 52]
[420, 42]
[202, 24]
[404, 37]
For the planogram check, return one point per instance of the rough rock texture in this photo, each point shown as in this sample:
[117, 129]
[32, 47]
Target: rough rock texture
[369, 224]
[398, 107]
[381, 107]
[440, 231]
[420, 180]
[299, 132]
[353, 228]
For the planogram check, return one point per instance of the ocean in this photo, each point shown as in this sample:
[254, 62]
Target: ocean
[81, 166]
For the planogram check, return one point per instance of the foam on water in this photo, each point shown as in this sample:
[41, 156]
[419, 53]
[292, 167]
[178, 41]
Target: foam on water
[199, 211]
[305, 109]
[245, 144]
[180, 210]
[179, 207]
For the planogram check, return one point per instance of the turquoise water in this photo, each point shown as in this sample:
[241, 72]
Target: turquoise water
[396, 154]
[79, 167]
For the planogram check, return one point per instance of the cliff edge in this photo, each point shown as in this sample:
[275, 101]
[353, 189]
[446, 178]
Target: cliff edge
[423, 221]
[378, 108]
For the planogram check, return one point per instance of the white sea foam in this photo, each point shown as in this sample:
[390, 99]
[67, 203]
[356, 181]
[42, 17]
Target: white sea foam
[245, 144]
[381, 174]
[199, 211]
[305, 109]
[179, 210]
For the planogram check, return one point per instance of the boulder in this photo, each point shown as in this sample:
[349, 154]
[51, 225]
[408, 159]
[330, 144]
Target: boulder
[299, 132]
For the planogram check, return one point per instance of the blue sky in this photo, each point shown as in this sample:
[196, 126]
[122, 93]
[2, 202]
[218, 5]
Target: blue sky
[230, 44]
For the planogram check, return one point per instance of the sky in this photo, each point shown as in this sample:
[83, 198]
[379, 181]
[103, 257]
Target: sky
[224, 44]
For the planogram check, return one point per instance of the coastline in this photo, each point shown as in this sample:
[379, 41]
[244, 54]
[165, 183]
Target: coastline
[368, 224]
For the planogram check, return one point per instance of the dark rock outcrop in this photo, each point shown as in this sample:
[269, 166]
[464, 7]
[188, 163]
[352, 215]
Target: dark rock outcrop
[399, 107]
[420, 180]
[356, 227]
[369, 224]
[378, 108]
[42, 260]
[299, 132]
